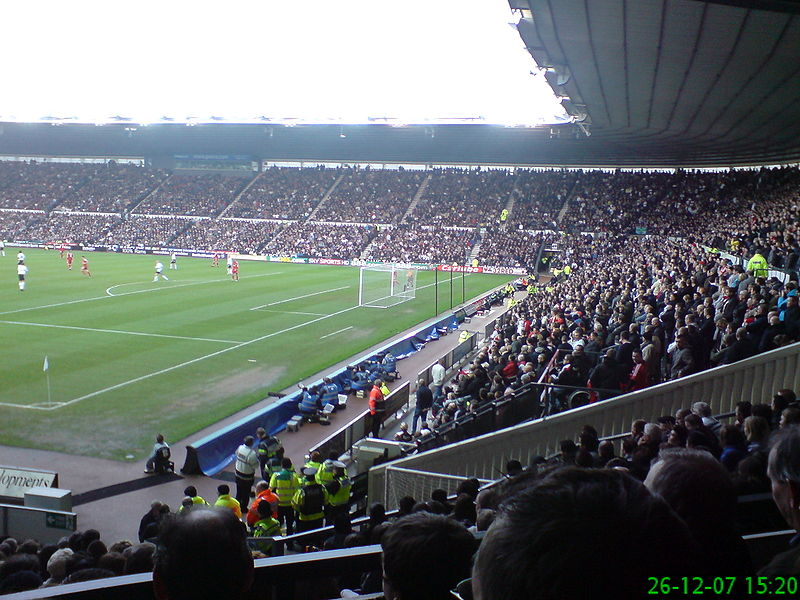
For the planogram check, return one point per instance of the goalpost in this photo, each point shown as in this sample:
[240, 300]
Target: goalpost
[384, 286]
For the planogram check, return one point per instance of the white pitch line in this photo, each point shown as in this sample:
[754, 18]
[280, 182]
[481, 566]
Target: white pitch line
[290, 312]
[170, 286]
[204, 357]
[194, 360]
[18, 310]
[158, 335]
[335, 332]
[307, 295]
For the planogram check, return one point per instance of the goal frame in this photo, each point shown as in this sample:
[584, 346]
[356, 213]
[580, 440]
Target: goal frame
[398, 289]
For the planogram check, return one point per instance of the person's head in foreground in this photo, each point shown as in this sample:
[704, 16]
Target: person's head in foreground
[581, 533]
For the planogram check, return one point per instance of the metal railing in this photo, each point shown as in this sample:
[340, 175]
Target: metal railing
[754, 379]
[342, 439]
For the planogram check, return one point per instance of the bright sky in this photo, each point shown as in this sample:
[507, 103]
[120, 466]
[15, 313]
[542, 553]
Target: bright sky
[414, 61]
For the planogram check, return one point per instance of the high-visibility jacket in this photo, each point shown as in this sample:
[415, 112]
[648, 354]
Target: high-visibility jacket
[285, 484]
[311, 464]
[246, 462]
[226, 501]
[342, 497]
[266, 528]
[325, 473]
[758, 265]
[309, 502]
[385, 390]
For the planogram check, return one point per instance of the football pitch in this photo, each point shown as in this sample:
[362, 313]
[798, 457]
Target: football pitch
[128, 357]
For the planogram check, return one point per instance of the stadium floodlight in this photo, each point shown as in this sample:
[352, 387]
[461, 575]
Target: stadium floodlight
[384, 286]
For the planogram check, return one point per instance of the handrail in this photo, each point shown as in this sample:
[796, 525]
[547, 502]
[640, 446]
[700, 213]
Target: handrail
[281, 573]
[753, 379]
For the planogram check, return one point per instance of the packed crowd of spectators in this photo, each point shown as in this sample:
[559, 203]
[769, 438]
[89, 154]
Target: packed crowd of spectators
[509, 248]
[14, 224]
[147, 231]
[464, 198]
[539, 196]
[40, 186]
[204, 195]
[371, 196]
[228, 235]
[77, 229]
[113, 188]
[285, 193]
[405, 243]
[323, 240]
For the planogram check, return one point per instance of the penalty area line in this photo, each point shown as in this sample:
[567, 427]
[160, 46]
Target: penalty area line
[335, 332]
[198, 359]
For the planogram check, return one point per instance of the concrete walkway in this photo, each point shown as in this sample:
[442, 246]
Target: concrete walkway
[117, 516]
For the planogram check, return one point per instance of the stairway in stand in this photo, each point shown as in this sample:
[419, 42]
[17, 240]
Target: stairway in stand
[420, 191]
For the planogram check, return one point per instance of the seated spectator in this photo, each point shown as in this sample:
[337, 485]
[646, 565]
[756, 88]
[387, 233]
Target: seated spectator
[424, 557]
[784, 473]
[568, 534]
[697, 487]
[203, 555]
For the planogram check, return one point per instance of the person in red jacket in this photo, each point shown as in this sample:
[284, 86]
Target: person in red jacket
[640, 375]
[263, 493]
[376, 400]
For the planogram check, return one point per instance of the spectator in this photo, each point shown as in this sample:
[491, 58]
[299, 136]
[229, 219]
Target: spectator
[203, 556]
[424, 557]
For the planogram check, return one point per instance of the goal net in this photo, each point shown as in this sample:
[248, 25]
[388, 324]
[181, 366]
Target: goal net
[384, 286]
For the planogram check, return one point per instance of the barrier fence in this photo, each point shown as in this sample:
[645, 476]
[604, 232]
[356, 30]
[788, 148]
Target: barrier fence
[754, 379]
[342, 439]
[401, 482]
[214, 452]
[277, 578]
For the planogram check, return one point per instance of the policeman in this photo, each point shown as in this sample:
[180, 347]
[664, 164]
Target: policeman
[758, 265]
[326, 470]
[309, 502]
[504, 215]
[313, 462]
[270, 452]
[338, 492]
[285, 484]
[266, 527]
[246, 465]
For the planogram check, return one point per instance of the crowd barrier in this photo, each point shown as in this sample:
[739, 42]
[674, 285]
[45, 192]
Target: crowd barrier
[214, 452]
[277, 578]
[754, 379]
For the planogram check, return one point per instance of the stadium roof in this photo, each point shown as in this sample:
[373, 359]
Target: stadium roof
[681, 81]
[648, 82]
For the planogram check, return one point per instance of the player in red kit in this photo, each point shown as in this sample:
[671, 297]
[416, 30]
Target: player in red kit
[235, 270]
[85, 266]
[215, 262]
[62, 249]
[70, 258]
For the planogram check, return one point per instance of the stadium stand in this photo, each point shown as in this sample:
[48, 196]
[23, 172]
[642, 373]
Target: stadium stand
[228, 235]
[285, 193]
[466, 198]
[113, 188]
[327, 240]
[193, 195]
[405, 243]
[371, 195]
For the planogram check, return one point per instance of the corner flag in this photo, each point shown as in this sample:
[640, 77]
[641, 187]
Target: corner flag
[46, 365]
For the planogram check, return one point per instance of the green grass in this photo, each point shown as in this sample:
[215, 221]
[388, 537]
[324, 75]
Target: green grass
[112, 390]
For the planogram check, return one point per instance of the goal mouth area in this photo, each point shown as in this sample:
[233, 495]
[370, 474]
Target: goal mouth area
[385, 286]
